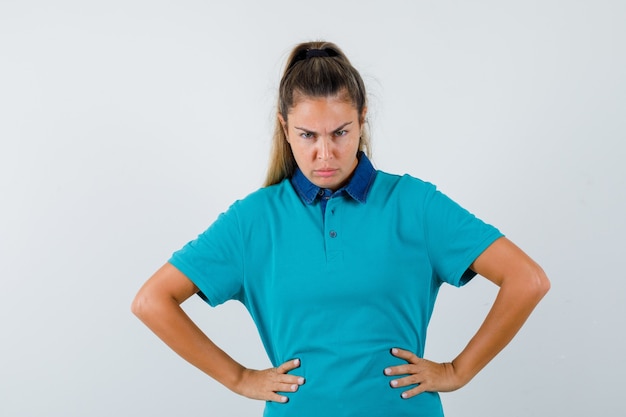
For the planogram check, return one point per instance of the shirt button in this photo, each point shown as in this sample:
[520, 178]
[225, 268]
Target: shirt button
[333, 234]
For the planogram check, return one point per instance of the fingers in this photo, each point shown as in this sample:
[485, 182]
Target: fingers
[284, 385]
[404, 354]
[290, 379]
[404, 369]
[418, 380]
[270, 384]
[288, 366]
[412, 392]
[276, 397]
[412, 373]
[421, 375]
[410, 376]
[286, 382]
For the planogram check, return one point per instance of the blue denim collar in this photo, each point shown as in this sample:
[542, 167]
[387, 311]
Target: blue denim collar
[358, 187]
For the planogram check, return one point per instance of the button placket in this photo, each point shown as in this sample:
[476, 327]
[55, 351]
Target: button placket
[332, 231]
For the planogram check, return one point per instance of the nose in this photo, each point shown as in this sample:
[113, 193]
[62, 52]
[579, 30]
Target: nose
[324, 152]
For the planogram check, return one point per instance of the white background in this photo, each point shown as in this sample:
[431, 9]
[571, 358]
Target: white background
[127, 126]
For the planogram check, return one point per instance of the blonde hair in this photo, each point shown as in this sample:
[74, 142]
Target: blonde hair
[322, 73]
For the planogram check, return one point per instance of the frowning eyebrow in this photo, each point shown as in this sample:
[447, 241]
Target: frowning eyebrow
[315, 133]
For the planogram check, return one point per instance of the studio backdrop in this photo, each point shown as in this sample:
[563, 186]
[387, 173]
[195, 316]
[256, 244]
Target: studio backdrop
[126, 127]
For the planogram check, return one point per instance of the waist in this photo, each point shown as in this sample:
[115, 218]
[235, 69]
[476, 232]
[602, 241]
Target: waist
[342, 383]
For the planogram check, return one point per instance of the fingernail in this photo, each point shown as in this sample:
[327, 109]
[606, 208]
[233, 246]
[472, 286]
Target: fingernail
[394, 351]
[294, 387]
[404, 395]
[300, 381]
[388, 371]
[296, 362]
[394, 383]
[284, 399]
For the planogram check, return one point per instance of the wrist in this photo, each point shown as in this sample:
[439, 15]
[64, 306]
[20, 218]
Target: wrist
[462, 375]
[235, 381]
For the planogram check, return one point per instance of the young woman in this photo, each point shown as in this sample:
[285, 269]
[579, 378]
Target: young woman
[339, 265]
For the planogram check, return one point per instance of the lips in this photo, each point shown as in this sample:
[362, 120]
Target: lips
[325, 172]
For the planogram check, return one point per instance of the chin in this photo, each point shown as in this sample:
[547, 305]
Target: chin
[333, 185]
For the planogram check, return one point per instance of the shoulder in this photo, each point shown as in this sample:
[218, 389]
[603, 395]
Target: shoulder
[266, 198]
[388, 185]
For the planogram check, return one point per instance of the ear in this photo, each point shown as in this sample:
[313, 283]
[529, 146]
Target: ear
[363, 114]
[283, 123]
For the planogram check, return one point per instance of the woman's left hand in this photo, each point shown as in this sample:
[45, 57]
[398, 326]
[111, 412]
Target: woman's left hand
[431, 376]
[522, 284]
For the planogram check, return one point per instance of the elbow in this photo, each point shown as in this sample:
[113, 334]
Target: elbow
[150, 304]
[136, 306]
[140, 306]
[539, 285]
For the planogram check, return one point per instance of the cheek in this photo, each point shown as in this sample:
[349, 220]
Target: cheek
[300, 152]
[350, 146]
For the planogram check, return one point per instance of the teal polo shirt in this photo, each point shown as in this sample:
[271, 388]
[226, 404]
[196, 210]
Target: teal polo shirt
[337, 289]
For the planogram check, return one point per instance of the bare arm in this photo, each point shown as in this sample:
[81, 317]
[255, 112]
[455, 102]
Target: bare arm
[157, 305]
[522, 285]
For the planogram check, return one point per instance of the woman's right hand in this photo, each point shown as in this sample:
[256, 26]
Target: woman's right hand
[157, 304]
[265, 384]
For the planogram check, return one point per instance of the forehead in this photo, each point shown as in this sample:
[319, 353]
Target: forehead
[323, 109]
[341, 95]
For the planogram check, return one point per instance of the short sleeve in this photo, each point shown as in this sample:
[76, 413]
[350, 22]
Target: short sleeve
[455, 238]
[213, 261]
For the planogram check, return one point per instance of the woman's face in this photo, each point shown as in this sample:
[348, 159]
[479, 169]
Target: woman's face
[324, 134]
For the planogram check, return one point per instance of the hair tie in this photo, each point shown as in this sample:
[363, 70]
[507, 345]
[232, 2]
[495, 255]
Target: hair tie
[317, 53]
[312, 53]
